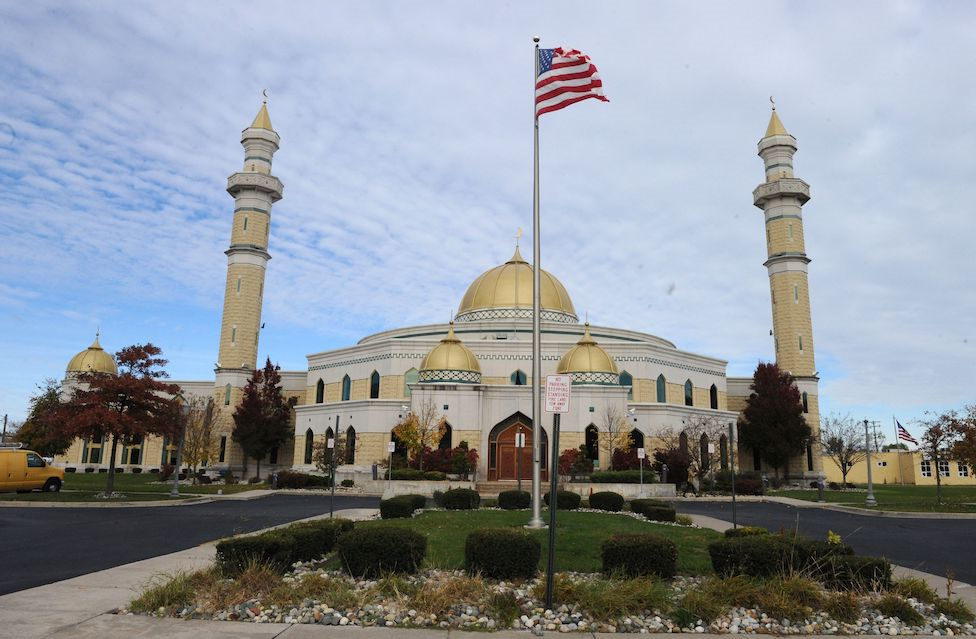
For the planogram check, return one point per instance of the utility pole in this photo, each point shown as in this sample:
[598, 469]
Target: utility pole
[3, 437]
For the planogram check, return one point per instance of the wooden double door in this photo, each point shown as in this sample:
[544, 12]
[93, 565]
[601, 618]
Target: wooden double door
[507, 455]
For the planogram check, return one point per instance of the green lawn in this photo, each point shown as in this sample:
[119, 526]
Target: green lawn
[136, 487]
[956, 499]
[578, 536]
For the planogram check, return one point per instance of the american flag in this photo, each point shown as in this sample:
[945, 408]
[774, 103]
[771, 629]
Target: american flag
[565, 77]
[904, 434]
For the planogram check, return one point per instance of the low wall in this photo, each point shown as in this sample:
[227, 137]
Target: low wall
[629, 491]
[410, 487]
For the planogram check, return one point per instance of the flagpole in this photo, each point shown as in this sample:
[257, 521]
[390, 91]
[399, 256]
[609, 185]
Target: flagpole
[894, 422]
[536, 521]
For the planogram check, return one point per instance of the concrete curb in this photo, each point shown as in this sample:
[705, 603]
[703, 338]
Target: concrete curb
[802, 503]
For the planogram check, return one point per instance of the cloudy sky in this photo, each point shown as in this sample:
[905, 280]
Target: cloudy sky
[406, 157]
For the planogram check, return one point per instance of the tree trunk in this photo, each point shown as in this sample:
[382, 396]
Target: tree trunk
[110, 484]
[258, 473]
[938, 482]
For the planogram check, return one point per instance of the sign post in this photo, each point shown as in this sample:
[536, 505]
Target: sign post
[519, 445]
[391, 448]
[330, 443]
[640, 459]
[557, 402]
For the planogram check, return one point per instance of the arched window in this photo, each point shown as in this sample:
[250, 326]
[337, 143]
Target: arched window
[227, 395]
[374, 385]
[519, 378]
[689, 394]
[399, 454]
[662, 389]
[637, 437]
[350, 453]
[723, 451]
[806, 402]
[592, 440]
[683, 443]
[320, 392]
[713, 397]
[346, 388]
[410, 377]
[309, 439]
[626, 379]
[445, 441]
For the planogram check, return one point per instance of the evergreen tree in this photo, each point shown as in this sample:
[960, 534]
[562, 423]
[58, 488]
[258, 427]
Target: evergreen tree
[262, 420]
[772, 423]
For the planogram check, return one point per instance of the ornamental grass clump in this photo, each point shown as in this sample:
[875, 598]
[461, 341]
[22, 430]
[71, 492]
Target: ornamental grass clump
[609, 598]
[639, 554]
[378, 550]
[892, 605]
[915, 588]
[437, 598]
[843, 606]
[502, 553]
[955, 609]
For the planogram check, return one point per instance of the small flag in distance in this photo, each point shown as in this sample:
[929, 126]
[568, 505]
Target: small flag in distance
[904, 435]
[565, 77]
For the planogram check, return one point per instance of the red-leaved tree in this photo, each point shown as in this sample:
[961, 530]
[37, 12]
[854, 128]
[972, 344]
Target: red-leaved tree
[772, 422]
[262, 420]
[127, 406]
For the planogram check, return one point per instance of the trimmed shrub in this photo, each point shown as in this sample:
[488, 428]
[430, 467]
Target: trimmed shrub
[621, 477]
[434, 475]
[318, 481]
[347, 483]
[291, 479]
[154, 470]
[204, 479]
[754, 556]
[136, 470]
[461, 499]
[514, 499]
[502, 553]
[653, 509]
[70, 469]
[748, 486]
[166, 471]
[89, 470]
[103, 470]
[438, 497]
[607, 500]
[312, 539]
[371, 552]
[279, 549]
[745, 531]
[399, 507]
[565, 500]
[419, 501]
[640, 554]
[859, 573]
[119, 470]
[833, 485]
[409, 474]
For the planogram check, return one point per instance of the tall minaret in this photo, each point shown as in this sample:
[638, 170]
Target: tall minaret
[781, 198]
[254, 190]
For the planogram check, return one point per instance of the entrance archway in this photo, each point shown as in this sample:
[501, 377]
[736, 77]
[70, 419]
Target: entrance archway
[503, 455]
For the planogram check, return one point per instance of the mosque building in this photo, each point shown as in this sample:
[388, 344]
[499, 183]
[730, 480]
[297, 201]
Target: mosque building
[473, 370]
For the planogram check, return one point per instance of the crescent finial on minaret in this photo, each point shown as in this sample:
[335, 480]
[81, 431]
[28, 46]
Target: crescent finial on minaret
[773, 102]
[264, 92]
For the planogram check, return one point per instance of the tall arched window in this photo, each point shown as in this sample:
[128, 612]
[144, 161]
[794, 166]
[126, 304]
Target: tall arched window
[227, 395]
[806, 404]
[713, 397]
[703, 452]
[309, 439]
[592, 440]
[410, 377]
[626, 379]
[723, 451]
[320, 392]
[637, 437]
[374, 385]
[519, 378]
[346, 388]
[683, 442]
[350, 453]
[689, 394]
[445, 442]
[662, 389]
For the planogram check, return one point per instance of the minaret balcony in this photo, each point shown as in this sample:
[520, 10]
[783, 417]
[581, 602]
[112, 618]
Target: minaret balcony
[784, 187]
[257, 181]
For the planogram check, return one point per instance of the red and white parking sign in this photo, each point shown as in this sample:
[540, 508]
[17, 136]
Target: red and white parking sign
[557, 393]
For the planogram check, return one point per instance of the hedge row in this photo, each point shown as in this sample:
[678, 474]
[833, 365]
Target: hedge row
[293, 479]
[280, 548]
[653, 509]
[621, 477]
[765, 555]
[413, 474]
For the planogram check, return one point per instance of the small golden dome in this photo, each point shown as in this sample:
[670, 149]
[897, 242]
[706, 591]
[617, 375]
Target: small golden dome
[451, 355]
[509, 286]
[93, 359]
[587, 357]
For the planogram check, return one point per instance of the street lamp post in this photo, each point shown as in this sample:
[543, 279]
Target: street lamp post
[870, 500]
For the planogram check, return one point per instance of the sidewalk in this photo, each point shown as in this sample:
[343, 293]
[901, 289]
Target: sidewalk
[80, 608]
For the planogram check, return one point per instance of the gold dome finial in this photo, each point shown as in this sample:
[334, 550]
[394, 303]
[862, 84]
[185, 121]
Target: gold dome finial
[775, 125]
[262, 120]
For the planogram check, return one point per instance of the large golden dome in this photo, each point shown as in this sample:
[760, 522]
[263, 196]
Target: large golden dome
[506, 291]
[450, 361]
[93, 359]
[587, 362]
